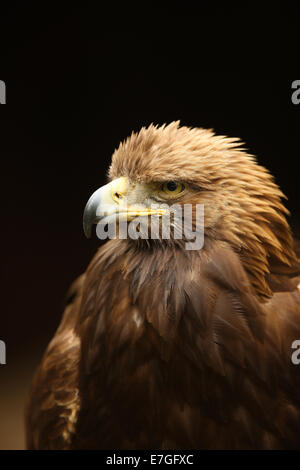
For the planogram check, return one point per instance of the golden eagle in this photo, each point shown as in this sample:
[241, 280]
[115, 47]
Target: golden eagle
[161, 347]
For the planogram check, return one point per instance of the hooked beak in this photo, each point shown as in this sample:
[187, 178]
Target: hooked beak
[108, 204]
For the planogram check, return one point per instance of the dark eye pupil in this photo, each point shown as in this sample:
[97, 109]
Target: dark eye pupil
[172, 185]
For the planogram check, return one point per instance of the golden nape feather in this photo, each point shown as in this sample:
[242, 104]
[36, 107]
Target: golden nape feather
[163, 347]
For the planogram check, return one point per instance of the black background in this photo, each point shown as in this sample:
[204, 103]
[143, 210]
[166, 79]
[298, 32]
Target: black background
[78, 82]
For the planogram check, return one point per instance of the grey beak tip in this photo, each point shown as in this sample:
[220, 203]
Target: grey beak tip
[89, 214]
[87, 224]
[87, 232]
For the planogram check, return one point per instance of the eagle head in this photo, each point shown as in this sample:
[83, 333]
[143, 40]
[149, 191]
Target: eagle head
[177, 166]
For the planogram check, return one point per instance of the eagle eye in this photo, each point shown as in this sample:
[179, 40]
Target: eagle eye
[172, 188]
